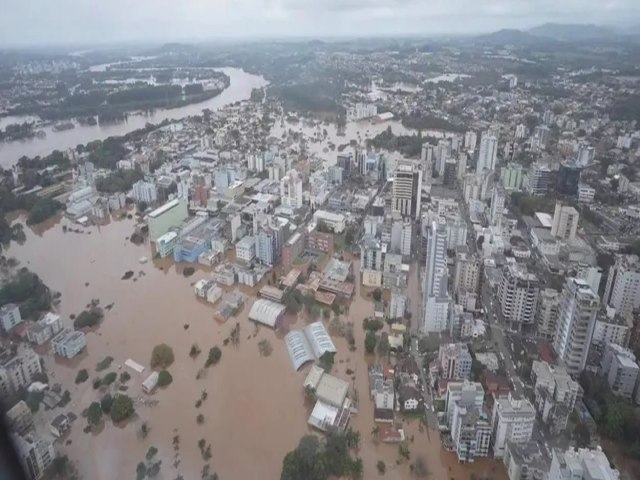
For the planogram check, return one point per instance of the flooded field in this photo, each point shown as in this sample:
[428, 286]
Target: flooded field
[255, 411]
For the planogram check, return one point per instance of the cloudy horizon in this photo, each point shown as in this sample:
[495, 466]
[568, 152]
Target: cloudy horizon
[89, 22]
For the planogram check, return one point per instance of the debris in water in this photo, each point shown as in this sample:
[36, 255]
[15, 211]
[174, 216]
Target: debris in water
[186, 326]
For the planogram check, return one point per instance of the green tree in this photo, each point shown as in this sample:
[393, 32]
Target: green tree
[82, 376]
[94, 414]
[109, 378]
[214, 356]
[121, 408]
[370, 341]
[377, 294]
[382, 468]
[383, 344]
[105, 404]
[141, 471]
[151, 452]
[125, 377]
[161, 356]
[195, 351]
[164, 378]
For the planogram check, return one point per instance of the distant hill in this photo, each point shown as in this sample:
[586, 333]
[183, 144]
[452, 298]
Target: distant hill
[560, 31]
[508, 36]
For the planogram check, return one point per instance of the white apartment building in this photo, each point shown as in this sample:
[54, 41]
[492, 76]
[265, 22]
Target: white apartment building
[144, 192]
[469, 394]
[576, 322]
[470, 140]
[582, 464]
[621, 370]
[586, 194]
[291, 190]
[246, 249]
[435, 295]
[17, 371]
[10, 316]
[456, 231]
[488, 153]
[622, 291]
[512, 421]
[497, 205]
[547, 315]
[518, 295]
[565, 222]
[611, 328]
[470, 433]
[468, 271]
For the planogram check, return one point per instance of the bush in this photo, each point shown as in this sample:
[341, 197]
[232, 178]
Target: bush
[164, 378]
[105, 403]
[104, 364]
[370, 341]
[161, 356]
[97, 382]
[88, 318]
[151, 453]
[373, 324]
[121, 408]
[125, 377]
[382, 468]
[109, 378]
[195, 351]
[82, 376]
[214, 356]
[94, 414]
[200, 419]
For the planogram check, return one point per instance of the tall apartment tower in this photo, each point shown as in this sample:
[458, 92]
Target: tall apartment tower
[518, 295]
[407, 190]
[576, 322]
[434, 292]
[623, 285]
[488, 153]
[565, 222]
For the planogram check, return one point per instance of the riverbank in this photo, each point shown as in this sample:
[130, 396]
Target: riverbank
[241, 84]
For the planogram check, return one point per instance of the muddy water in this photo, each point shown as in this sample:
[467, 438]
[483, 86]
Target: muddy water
[255, 409]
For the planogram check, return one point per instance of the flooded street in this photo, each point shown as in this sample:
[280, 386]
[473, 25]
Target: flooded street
[255, 411]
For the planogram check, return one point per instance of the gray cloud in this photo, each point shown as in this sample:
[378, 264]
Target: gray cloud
[24, 22]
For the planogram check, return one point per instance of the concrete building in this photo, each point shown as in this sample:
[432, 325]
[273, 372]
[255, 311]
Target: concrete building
[540, 179]
[565, 222]
[266, 246]
[590, 274]
[35, 454]
[397, 305]
[586, 193]
[556, 395]
[17, 371]
[470, 140]
[622, 291]
[456, 231]
[497, 205]
[454, 360]
[469, 394]
[512, 421]
[168, 216]
[434, 291]
[246, 249]
[525, 461]
[68, 343]
[611, 328]
[488, 153]
[406, 193]
[291, 190]
[547, 314]
[576, 322]
[511, 176]
[518, 295]
[470, 432]
[335, 221]
[620, 369]
[10, 316]
[144, 192]
[292, 249]
[582, 464]
[468, 271]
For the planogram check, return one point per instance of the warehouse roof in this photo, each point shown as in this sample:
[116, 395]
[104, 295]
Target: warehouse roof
[299, 348]
[266, 312]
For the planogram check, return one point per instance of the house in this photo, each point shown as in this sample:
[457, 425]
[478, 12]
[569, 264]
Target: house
[68, 343]
[409, 367]
[59, 425]
[410, 398]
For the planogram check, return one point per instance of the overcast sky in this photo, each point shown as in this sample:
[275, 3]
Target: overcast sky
[55, 22]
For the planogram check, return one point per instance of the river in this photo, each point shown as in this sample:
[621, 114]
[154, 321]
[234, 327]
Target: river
[240, 86]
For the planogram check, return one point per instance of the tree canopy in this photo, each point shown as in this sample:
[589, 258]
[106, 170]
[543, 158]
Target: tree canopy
[161, 356]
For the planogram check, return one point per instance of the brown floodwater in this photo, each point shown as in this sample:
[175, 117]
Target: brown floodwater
[255, 411]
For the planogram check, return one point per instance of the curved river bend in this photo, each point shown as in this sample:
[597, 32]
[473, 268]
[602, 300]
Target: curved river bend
[240, 86]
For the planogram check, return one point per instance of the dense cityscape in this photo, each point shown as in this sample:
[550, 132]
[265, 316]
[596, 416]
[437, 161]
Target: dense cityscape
[395, 258]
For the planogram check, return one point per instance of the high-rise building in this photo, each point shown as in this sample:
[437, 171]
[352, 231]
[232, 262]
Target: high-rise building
[512, 421]
[565, 222]
[454, 360]
[511, 176]
[518, 294]
[470, 140]
[470, 432]
[488, 153]
[406, 194]
[547, 315]
[582, 464]
[450, 172]
[456, 232]
[291, 190]
[469, 394]
[576, 322]
[556, 394]
[497, 205]
[521, 131]
[144, 192]
[468, 271]
[592, 274]
[35, 454]
[462, 166]
[17, 370]
[585, 155]
[540, 179]
[622, 291]
[568, 178]
[621, 370]
[442, 154]
[610, 328]
[435, 296]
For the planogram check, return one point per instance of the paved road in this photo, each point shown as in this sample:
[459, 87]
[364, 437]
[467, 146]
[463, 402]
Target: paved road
[432, 417]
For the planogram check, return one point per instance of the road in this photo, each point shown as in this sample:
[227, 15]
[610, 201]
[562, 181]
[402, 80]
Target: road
[431, 416]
